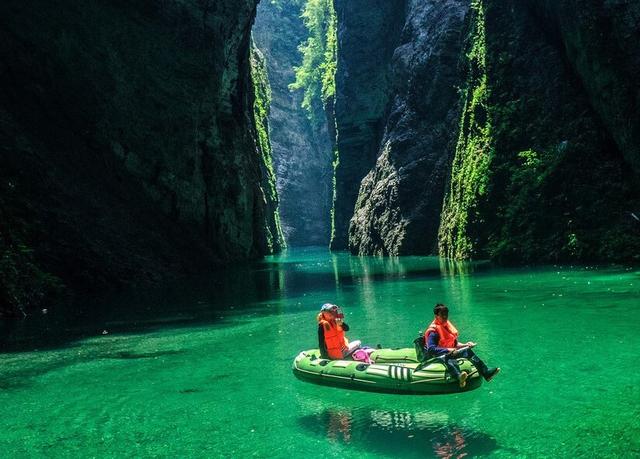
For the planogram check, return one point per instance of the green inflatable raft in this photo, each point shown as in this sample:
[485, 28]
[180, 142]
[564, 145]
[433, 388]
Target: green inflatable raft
[394, 371]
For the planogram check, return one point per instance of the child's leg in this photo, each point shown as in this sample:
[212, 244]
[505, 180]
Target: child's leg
[353, 345]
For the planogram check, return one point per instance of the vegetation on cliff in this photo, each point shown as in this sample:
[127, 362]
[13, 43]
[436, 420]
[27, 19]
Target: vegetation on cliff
[470, 167]
[301, 149]
[316, 74]
[23, 283]
[537, 176]
[261, 104]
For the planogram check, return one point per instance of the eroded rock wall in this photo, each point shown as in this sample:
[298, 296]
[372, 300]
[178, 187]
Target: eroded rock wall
[524, 113]
[399, 202]
[128, 149]
[368, 33]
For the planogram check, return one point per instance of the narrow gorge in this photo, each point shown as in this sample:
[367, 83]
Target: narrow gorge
[214, 210]
[300, 136]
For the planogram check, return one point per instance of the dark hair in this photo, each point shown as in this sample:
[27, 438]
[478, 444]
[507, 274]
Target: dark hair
[440, 308]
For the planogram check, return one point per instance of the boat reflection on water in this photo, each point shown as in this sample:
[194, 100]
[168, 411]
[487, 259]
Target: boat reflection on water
[339, 426]
[399, 433]
[453, 448]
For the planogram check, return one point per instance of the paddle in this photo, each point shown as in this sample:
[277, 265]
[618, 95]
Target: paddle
[452, 353]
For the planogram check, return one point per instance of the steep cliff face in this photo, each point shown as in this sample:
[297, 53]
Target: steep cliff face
[398, 207]
[368, 33]
[541, 146]
[128, 149]
[261, 111]
[546, 166]
[601, 41]
[301, 148]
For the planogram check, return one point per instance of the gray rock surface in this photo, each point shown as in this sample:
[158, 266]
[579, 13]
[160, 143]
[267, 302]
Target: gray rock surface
[368, 33]
[399, 202]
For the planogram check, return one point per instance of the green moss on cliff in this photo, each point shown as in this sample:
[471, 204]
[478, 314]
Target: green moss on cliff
[23, 285]
[261, 105]
[334, 194]
[536, 176]
[470, 168]
[330, 57]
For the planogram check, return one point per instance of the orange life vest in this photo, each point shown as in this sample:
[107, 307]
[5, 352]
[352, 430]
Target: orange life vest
[447, 333]
[334, 339]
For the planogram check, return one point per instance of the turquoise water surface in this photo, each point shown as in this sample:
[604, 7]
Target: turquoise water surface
[203, 368]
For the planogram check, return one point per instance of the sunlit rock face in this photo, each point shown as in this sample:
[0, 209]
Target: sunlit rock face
[399, 202]
[546, 169]
[128, 149]
[368, 33]
[301, 148]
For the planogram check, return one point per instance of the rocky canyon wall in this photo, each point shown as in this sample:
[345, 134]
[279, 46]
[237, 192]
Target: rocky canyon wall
[368, 33]
[128, 148]
[546, 166]
[522, 115]
[398, 207]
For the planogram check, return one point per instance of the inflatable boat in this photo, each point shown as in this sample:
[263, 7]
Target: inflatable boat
[393, 371]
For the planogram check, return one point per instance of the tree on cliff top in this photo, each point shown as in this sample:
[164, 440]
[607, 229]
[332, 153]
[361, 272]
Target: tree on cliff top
[316, 75]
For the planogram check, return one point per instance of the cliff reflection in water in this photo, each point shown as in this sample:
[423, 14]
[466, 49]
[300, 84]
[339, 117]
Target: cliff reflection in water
[400, 434]
[267, 286]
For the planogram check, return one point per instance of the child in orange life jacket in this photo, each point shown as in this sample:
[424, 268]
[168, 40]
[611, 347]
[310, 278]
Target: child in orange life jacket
[441, 339]
[331, 339]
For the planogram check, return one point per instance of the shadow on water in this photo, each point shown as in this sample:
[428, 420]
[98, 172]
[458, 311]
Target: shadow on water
[23, 377]
[399, 434]
[221, 298]
[127, 355]
[202, 300]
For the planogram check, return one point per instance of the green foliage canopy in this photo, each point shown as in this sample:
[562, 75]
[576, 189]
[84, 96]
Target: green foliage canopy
[316, 74]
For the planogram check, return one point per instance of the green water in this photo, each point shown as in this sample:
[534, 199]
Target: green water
[202, 369]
